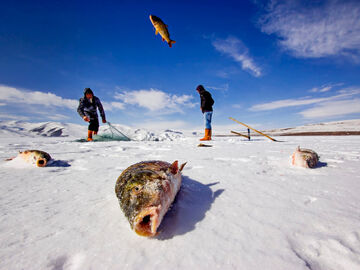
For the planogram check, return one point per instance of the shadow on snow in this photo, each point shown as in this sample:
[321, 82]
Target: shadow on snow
[58, 163]
[190, 206]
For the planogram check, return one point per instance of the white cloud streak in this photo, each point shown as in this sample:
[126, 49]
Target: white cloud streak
[324, 88]
[313, 30]
[235, 49]
[14, 95]
[302, 101]
[333, 109]
[224, 87]
[156, 100]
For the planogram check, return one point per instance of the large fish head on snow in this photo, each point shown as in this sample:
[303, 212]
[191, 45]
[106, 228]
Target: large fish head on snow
[40, 158]
[304, 158]
[145, 191]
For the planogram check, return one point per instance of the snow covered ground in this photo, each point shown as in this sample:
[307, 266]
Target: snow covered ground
[241, 205]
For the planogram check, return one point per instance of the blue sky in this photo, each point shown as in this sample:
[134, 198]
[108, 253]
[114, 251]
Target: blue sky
[267, 63]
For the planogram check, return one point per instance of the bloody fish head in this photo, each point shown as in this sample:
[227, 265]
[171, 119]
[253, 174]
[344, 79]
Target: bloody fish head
[145, 191]
[37, 157]
[139, 197]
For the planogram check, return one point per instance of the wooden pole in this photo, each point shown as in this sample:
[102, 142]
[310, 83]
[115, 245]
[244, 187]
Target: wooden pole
[252, 129]
[237, 133]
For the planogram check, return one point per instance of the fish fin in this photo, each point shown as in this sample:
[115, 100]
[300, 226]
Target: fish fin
[182, 166]
[171, 42]
[156, 32]
[163, 39]
[174, 168]
[8, 159]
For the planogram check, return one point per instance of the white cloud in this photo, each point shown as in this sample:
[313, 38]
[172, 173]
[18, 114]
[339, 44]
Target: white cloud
[235, 49]
[156, 100]
[13, 117]
[302, 101]
[324, 88]
[2, 104]
[224, 87]
[109, 106]
[237, 106]
[327, 28]
[14, 95]
[333, 109]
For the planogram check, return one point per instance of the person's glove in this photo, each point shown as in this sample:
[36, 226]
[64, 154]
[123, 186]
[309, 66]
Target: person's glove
[86, 119]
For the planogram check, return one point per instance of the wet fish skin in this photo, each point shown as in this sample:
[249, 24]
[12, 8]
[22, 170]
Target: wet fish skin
[37, 157]
[145, 192]
[161, 28]
[304, 158]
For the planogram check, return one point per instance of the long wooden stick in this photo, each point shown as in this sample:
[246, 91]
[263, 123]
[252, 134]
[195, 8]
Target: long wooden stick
[252, 129]
[237, 133]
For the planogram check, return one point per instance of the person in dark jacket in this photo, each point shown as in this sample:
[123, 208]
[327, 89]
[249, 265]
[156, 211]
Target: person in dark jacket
[87, 109]
[206, 107]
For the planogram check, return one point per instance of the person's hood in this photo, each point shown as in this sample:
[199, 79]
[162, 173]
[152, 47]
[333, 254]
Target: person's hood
[200, 88]
[88, 91]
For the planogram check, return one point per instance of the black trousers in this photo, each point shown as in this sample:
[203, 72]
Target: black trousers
[94, 125]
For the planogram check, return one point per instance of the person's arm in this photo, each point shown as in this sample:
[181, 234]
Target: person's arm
[101, 110]
[80, 110]
[203, 101]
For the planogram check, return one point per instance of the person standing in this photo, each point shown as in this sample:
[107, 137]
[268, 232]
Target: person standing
[87, 109]
[206, 103]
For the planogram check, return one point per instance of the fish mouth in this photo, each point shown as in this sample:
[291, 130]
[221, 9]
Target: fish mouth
[41, 162]
[147, 222]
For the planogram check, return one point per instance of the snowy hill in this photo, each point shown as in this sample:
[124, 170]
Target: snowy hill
[241, 205]
[74, 131]
[346, 127]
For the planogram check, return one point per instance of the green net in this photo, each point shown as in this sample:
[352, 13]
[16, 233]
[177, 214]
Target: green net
[112, 134]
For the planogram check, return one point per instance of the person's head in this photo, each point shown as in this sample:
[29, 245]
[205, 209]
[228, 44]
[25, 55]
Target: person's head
[200, 88]
[88, 93]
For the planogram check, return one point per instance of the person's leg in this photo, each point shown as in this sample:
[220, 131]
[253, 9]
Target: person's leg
[207, 119]
[93, 128]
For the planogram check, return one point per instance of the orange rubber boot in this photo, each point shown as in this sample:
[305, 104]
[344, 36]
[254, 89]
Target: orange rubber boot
[207, 136]
[89, 138]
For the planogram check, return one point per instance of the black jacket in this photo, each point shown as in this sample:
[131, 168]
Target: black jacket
[87, 108]
[206, 101]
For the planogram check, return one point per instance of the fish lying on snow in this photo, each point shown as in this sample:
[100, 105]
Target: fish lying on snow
[145, 191]
[304, 158]
[161, 28]
[37, 157]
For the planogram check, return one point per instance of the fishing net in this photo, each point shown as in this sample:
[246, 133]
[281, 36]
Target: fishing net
[111, 134]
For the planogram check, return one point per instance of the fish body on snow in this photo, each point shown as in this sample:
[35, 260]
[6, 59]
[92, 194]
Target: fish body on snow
[36, 157]
[145, 192]
[304, 158]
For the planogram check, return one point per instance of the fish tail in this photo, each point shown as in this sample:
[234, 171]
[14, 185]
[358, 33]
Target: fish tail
[171, 42]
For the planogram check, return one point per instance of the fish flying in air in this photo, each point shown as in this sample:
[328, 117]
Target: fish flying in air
[145, 191]
[162, 29]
